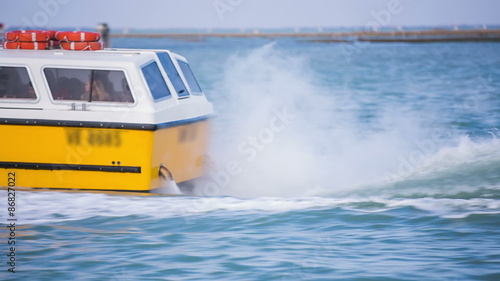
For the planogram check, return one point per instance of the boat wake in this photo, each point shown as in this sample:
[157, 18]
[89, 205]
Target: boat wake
[466, 170]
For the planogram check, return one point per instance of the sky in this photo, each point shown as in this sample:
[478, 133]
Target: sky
[244, 14]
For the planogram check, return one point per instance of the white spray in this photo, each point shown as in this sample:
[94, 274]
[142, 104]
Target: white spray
[280, 133]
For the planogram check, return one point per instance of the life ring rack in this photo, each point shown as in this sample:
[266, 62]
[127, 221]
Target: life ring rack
[51, 39]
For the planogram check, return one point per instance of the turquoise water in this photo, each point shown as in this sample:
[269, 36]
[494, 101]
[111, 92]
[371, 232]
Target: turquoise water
[329, 162]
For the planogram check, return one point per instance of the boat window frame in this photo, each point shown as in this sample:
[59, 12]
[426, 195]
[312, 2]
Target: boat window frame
[30, 76]
[145, 81]
[93, 103]
[178, 61]
[171, 66]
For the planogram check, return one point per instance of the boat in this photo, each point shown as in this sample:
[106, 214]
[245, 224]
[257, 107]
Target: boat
[99, 119]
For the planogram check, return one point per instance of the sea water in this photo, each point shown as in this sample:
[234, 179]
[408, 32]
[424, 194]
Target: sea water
[359, 161]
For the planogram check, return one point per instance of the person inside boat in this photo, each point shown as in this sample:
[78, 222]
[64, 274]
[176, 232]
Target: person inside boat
[25, 92]
[69, 89]
[12, 84]
[101, 88]
[76, 88]
[125, 95]
[104, 83]
[30, 93]
[62, 89]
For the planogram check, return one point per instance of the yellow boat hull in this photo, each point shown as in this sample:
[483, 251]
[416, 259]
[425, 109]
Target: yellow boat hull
[101, 158]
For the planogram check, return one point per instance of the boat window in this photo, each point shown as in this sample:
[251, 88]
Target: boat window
[74, 85]
[154, 79]
[15, 83]
[173, 74]
[190, 78]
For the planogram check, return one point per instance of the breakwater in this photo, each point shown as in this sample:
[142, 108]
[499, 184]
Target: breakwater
[434, 35]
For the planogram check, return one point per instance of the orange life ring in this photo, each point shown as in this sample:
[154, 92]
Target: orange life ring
[78, 36]
[82, 46]
[27, 35]
[25, 45]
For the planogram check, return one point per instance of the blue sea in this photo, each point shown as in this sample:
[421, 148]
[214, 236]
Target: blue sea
[328, 161]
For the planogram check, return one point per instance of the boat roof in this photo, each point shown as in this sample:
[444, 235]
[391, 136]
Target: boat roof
[85, 53]
[63, 55]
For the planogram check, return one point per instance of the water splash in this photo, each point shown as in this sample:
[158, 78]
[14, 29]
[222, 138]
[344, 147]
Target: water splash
[282, 133]
[168, 187]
